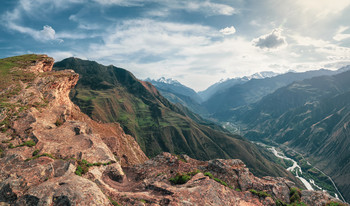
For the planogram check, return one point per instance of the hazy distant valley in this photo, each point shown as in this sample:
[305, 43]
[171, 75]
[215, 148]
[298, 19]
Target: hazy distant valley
[305, 114]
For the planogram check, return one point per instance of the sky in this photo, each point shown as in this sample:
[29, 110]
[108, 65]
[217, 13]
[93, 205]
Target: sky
[197, 42]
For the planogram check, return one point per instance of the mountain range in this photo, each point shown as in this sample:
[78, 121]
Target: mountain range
[51, 153]
[311, 116]
[307, 112]
[219, 100]
[225, 84]
[112, 94]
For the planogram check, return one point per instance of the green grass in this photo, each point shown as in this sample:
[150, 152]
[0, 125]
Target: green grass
[180, 179]
[35, 153]
[8, 76]
[221, 181]
[115, 203]
[41, 155]
[83, 166]
[29, 143]
[295, 194]
[59, 122]
[211, 176]
[180, 158]
[12, 71]
[262, 194]
[332, 203]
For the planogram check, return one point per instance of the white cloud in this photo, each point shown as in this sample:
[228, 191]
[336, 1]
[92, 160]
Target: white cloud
[272, 40]
[172, 49]
[308, 41]
[206, 7]
[340, 35]
[228, 30]
[48, 33]
[322, 9]
[44, 35]
[120, 2]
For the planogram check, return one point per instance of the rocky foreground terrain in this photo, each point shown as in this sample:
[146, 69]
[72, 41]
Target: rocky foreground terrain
[52, 154]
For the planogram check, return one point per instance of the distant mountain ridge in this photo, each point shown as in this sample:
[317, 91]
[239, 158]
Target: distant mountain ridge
[229, 82]
[174, 86]
[178, 93]
[223, 103]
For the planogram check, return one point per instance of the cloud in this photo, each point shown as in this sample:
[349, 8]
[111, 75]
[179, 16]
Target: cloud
[206, 7]
[120, 2]
[48, 33]
[340, 35]
[44, 35]
[322, 9]
[171, 49]
[228, 30]
[271, 41]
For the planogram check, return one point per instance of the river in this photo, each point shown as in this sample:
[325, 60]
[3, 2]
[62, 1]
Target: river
[295, 167]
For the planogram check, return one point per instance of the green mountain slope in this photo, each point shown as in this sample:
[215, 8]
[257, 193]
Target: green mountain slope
[111, 94]
[311, 116]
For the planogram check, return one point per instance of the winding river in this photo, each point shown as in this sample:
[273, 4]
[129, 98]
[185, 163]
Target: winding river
[297, 169]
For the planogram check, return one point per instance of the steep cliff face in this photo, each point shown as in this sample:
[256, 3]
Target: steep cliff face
[45, 139]
[52, 154]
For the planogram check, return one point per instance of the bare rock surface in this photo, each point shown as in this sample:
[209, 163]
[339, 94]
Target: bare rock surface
[230, 183]
[47, 140]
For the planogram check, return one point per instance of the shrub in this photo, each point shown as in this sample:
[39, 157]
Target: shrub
[260, 193]
[280, 203]
[42, 155]
[193, 173]
[29, 143]
[115, 203]
[35, 153]
[332, 203]
[220, 181]
[59, 122]
[82, 167]
[209, 175]
[180, 158]
[180, 179]
[183, 178]
[295, 195]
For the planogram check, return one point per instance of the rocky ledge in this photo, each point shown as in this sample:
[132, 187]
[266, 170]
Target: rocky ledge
[52, 154]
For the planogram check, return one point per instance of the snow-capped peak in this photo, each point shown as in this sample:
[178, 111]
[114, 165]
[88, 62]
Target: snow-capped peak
[164, 80]
[262, 75]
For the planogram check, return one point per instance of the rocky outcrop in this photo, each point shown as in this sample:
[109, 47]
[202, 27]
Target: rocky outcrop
[52, 154]
[45, 141]
[216, 182]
